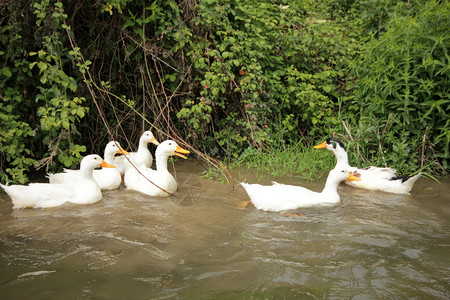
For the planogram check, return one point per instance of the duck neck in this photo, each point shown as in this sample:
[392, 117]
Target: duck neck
[109, 157]
[330, 186]
[142, 146]
[341, 157]
[161, 161]
[86, 172]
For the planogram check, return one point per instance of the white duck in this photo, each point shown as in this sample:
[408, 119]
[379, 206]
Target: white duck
[107, 178]
[372, 178]
[142, 157]
[84, 190]
[161, 176]
[279, 197]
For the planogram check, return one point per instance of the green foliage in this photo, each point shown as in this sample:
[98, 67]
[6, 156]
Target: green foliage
[236, 79]
[15, 133]
[266, 72]
[15, 154]
[37, 92]
[295, 160]
[58, 110]
[403, 89]
[376, 14]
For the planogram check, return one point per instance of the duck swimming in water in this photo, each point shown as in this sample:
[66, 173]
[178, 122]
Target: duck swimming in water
[135, 180]
[84, 190]
[143, 156]
[371, 178]
[279, 197]
[107, 178]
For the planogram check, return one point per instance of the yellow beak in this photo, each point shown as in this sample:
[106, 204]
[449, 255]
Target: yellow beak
[123, 151]
[106, 165]
[353, 177]
[181, 150]
[154, 141]
[321, 146]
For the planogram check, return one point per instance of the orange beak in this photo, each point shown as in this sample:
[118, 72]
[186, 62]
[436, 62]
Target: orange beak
[106, 165]
[123, 151]
[353, 177]
[321, 146]
[181, 150]
[154, 141]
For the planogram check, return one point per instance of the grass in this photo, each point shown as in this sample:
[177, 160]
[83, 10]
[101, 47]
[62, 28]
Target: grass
[287, 161]
[294, 160]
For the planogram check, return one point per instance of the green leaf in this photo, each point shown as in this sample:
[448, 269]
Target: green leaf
[42, 66]
[6, 71]
[80, 112]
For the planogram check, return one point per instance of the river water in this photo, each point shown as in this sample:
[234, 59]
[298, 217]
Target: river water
[202, 245]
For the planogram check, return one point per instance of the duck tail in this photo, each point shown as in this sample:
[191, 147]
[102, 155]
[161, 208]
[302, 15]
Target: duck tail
[410, 181]
[4, 186]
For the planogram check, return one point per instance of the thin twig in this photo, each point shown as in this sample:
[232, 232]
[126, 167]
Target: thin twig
[380, 144]
[73, 45]
[424, 137]
[348, 131]
[385, 128]
[379, 24]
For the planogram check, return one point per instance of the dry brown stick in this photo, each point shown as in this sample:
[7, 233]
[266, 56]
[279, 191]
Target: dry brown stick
[348, 131]
[166, 106]
[154, 95]
[423, 147]
[182, 141]
[351, 138]
[380, 144]
[379, 24]
[73, 45]
[385, 128]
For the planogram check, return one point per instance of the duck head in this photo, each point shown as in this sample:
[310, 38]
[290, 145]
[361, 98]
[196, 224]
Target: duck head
[171, 148]
[114, 147]
[330, 144]
[147, 137]
[92, 161]
[340, 175]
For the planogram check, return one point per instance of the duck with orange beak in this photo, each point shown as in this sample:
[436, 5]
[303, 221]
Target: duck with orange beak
[157, 182]
[371, 178]
[143, 156]
[281, 197]
[84, 190]
[107, 178]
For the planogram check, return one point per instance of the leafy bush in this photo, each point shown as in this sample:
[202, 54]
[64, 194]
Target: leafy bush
[265, 72]
[403, 89]
[376, 14]
[229, 77]
[15, 132]
[37, 92]
[15, 157]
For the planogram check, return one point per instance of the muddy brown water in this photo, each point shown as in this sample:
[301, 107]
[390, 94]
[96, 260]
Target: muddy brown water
[201, 245]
